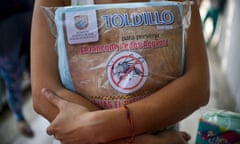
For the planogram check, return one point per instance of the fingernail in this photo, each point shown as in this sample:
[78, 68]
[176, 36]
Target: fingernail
[45, 91]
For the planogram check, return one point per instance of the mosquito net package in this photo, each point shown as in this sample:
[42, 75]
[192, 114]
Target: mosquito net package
[116, 54]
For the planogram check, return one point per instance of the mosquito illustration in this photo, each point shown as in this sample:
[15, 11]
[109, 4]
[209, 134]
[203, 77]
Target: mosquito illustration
[128, 68]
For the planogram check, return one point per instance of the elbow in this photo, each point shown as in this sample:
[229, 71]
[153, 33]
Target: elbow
[199, 91]
[41, 106]
[204, 94]
[205, 97]
[36, 102]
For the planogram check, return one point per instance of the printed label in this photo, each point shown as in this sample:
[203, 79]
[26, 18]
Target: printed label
[81, 2]
[81, 27]
[127, 71]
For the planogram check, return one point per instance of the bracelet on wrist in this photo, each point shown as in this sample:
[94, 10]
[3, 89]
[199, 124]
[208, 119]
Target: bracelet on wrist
[130, 121]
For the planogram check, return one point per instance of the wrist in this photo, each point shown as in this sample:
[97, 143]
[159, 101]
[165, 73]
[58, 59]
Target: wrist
[129, 118]
[111, 125]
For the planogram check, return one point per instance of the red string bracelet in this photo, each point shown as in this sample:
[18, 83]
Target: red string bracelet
[130, 120]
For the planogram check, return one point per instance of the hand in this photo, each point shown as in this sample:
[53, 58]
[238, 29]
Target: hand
[73, 124]
[175, 137]
[165, 137]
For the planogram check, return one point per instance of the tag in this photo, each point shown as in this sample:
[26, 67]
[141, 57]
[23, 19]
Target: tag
[82, 2]
[156, 0]
[81, 27]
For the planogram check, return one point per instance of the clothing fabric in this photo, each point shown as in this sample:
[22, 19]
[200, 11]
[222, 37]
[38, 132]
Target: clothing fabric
[15, 34]
[214, 11]
[15, 26]
[218, 4]
[12, 7]
[11, 71]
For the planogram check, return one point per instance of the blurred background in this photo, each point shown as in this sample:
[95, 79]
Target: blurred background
[223, 53]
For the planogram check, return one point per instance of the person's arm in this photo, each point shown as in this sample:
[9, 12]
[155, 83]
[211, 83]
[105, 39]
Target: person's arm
[165, 137]
[44, 67]
[185, 94]
[172, 103]
[167, 106]
[74, 125]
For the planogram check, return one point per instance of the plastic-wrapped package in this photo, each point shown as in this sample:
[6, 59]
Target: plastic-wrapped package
[218, 127]
[116, 54]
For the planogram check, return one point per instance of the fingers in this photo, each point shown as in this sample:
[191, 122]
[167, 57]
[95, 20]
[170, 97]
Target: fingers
[50, 131]
[51, 97]
[185, 136]
[53, 129]
[176, 137]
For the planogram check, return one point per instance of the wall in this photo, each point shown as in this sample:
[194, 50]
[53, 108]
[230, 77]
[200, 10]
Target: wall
[229, 48]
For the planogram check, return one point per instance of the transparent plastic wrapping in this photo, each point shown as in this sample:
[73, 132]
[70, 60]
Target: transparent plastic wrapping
[218, 126]
[115, 54]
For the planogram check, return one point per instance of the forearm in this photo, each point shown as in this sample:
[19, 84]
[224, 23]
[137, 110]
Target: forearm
[166, 107]
[44, 65]
[170, 105]
[164, 137]
[143, 139]
[43, 107]
[76, 98]
[173, 102]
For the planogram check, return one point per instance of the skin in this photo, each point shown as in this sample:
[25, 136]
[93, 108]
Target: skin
[69, 137]
[76, 120]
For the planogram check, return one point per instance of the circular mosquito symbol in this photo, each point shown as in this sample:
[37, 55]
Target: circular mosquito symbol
[127, 71]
